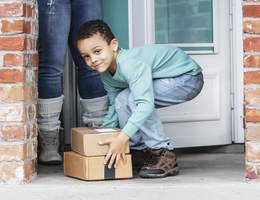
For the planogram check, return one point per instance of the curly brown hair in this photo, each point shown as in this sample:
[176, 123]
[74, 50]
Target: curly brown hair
[93, 27]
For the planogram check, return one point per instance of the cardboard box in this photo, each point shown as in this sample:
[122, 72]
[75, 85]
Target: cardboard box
[85, 140]
[93, 168]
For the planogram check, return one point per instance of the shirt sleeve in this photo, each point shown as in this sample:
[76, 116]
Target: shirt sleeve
[139, 77]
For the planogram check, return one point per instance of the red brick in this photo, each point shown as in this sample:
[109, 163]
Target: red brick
[28, 131]
[252, 77]
[16, 26]
[252, 44]
[251, 26]
[12, 26]
[37, 45]
[12, 10]
[35, 28]
[14, 60]
[252, 96]
[30, 149]
[13, 93]
[36, 76]
[31, 44]
[15, 152]
[34, 60]
[27, 28]
[30, 76]
[14, 113]
[12, 76]
[31, 112]
[13, 132]
[20, 173]
[34, 96]
[35, 146]
[13, 43]
[251, 11]
[37, 110]
[33, 130]
[8, 172]
[30, 168]
[253, 153]
[252, 115]
[252, 61]
[30, 11]
[253, 133]
[253, 172]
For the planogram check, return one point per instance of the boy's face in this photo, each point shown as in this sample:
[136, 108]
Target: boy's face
[98, 54]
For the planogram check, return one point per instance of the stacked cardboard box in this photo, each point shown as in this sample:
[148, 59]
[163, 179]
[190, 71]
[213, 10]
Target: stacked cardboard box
[86, 161]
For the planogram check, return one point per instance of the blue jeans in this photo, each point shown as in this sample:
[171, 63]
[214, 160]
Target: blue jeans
[59, 21]
[167, 92]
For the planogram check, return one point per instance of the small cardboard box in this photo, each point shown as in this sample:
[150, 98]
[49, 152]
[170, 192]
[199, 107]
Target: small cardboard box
[93, 168]
[85, 140]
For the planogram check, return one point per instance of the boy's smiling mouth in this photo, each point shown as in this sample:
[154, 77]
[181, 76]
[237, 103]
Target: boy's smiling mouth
[96, 66]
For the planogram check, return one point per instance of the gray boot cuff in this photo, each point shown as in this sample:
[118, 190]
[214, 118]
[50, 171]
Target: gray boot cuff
[49, 113]
[95, 110]
[96, 104]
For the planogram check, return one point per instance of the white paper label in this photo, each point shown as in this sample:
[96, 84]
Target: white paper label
[106, 130]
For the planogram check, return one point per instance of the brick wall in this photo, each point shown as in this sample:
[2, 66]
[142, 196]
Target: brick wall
[251, 29]
[18, 90]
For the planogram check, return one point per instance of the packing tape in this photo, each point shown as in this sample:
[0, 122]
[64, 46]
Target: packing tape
[109, 173]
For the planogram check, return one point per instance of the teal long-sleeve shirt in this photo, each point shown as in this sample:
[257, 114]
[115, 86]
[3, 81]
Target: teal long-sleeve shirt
[136, 69]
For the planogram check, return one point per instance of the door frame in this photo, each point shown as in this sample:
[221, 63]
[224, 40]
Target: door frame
[237, 71]
[236, 44]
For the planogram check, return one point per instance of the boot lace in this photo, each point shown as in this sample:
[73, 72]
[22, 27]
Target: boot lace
[152, 160]
[48, 139]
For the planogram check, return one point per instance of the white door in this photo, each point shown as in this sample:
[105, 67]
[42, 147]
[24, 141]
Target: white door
[201, 28]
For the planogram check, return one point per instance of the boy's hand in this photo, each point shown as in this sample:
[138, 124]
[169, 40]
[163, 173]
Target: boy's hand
[116, 149]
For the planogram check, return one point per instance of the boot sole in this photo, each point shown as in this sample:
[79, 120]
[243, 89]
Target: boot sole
[138, 169]
[172, 172]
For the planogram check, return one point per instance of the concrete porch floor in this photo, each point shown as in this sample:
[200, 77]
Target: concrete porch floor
[202, 176]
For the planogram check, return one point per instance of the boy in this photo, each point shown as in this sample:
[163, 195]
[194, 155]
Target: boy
[138, 81]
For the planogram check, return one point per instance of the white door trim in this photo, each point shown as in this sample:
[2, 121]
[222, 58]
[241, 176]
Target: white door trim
[237, 74]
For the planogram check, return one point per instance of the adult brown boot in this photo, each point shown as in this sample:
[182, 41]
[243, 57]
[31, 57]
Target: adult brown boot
[138, 158]
[160, 163]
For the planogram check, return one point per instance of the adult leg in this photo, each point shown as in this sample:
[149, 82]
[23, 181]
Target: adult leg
[93, 95]
[54, 25]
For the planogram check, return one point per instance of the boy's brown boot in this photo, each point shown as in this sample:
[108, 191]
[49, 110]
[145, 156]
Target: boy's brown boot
[160, 163]
[138, 158]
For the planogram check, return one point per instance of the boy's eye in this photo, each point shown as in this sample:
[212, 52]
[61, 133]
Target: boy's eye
[97, 51]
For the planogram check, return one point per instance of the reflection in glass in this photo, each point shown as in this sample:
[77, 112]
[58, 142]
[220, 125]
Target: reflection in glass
[183, 21]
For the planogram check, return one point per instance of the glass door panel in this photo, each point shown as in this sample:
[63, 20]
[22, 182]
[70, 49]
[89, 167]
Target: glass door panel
[184, 23]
